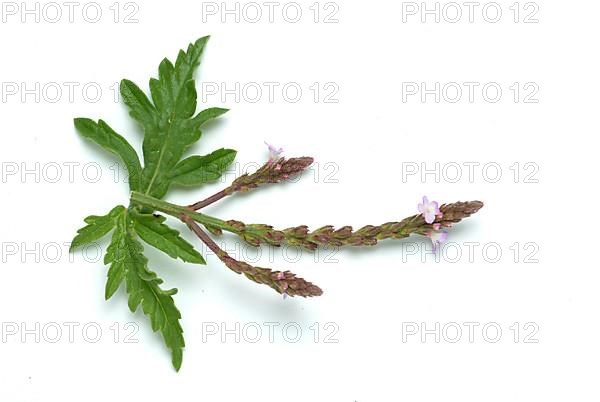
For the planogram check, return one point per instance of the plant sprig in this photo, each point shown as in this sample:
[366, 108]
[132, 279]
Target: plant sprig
[171, 126]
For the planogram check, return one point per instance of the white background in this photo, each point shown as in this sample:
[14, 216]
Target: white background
[367, 137]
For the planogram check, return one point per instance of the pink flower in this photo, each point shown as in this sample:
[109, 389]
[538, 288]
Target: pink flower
[429, 210]
[274, 153]
[437, 238]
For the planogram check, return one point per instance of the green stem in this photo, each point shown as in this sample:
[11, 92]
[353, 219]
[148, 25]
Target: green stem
[177, 211]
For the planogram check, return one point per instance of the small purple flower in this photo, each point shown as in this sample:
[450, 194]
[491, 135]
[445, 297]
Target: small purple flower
[429, 210]
[437, 238]
[274, 153]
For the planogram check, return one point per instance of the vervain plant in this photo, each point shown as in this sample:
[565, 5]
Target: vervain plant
[171, 126]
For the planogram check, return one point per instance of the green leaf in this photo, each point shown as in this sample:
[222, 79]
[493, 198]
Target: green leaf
[117, 255]
[152, 230]
[125, 254]
[140, 107]
[97, 227]
[169, 125]
[207, 115]
[197, 170]
[174, 95]
[170, 129]
[108, 139]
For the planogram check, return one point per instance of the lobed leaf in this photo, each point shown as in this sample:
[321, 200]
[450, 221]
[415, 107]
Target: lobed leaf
[140, 107]
[170, 128]
[207, 115]
[197, 170]
[174, 95]
[125, 254]
[107, 138]
[117, 255]
[97, 227]
[169, 125]
[152, 230]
